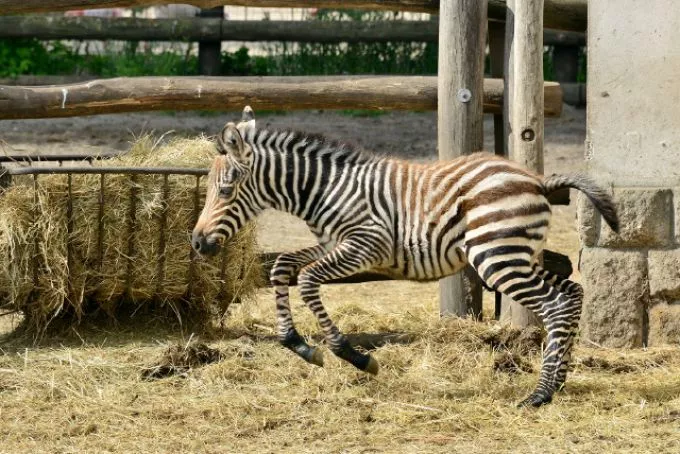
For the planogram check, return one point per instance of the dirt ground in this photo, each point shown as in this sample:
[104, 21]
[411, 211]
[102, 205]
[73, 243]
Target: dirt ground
[83, 393]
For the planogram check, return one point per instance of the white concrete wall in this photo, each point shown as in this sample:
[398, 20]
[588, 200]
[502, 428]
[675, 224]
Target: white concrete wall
[634, 91]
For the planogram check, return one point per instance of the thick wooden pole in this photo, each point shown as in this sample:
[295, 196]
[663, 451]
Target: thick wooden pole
[497, 60]
[524, 126]
[462, 39]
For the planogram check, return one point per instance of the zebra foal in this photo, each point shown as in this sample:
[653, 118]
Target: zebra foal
[406, 220]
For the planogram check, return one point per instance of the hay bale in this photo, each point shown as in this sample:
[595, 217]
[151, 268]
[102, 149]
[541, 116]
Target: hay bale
[34, 271]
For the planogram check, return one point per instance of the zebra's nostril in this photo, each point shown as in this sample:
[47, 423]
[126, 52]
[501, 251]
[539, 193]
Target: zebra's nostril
[197, 246]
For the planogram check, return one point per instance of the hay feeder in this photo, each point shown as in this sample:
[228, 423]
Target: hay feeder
[113, 237]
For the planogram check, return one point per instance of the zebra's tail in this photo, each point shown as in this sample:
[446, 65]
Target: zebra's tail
[598, 197]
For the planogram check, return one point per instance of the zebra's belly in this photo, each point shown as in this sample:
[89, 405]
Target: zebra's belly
[423, 263]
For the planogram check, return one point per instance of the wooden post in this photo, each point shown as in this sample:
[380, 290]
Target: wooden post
[524, 117]
[497, 60]
[210, 52]
[462, 39]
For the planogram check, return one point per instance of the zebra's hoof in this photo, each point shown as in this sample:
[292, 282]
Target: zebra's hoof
[372, 367]
[535, 400]
[316, 357]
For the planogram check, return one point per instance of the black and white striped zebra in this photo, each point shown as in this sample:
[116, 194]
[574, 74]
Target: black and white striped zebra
[407, 220]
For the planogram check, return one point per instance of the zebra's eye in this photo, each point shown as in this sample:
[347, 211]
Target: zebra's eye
[226, 191]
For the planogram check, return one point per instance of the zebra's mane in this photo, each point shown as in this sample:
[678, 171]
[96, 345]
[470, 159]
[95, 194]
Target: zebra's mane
[343, 149]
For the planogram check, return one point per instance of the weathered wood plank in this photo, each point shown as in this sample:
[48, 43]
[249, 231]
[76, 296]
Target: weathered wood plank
[559, 14]
[462, 39]
[264, 93]
[213, 29]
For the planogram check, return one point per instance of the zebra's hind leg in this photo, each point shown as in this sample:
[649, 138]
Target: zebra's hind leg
[286, 266]
[574, 292]
[514, 276]
[349, 257]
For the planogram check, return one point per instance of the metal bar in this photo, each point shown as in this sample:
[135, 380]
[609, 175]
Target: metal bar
[192, 253]
[100, 227]
[162, 227]
[36, 240]
[108, 170]
[132, 221]
[58, 157]
[69, 233]
[223, 274]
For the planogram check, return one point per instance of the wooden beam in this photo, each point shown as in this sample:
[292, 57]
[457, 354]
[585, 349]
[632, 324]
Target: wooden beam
[139, 94]
[524, 122]
[213, 29]
[37, 6]
[462, 39]
[559, 14]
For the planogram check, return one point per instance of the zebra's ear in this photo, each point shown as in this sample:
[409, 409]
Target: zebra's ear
[247, 125]
[248, 114]
[230, 142]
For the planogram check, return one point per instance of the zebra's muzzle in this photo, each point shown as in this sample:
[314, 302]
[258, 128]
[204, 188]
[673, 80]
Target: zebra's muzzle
[204, 245]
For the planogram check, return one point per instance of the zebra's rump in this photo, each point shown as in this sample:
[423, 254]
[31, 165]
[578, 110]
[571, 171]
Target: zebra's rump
[449, 210]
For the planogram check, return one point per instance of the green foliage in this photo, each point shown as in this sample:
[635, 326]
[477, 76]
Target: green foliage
[30, 56]
[354, 58]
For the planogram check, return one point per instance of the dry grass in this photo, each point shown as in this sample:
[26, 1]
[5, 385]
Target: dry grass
[101, 284]
[439, 393]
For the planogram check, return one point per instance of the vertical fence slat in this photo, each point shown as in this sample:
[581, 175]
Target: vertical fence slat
[132, 224]
[162, 233]
[462, 39]
[524, 105]
[69, 234]
[100, 226]
[36, 239]
[192, 253]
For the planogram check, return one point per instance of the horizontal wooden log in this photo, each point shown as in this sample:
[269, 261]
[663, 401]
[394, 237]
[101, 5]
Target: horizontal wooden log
[232, 93]
[552, 261]
[558, 14]
[212, 29]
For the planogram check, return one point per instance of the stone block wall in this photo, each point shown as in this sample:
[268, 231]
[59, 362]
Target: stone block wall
[632, 279]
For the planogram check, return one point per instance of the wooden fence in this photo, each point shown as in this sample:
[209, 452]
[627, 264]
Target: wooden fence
[215, 29]
[460, 94]
[558, 14]
[136, 94]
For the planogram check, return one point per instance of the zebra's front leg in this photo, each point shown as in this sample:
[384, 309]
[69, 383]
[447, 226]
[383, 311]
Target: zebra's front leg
[286, 266]
[347, 258]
